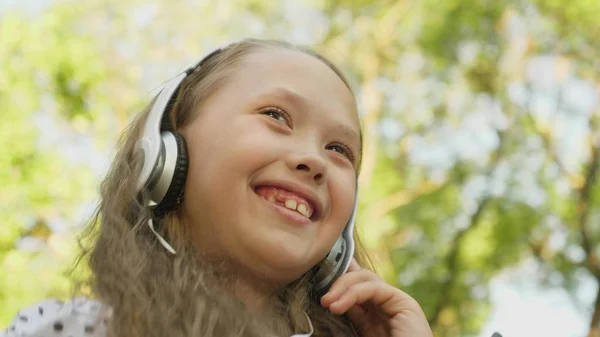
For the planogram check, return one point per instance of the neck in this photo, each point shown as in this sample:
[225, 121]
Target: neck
[256, 298]
[256, 293]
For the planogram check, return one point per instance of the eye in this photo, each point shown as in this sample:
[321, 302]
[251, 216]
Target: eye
[343, 150]
[277, 114]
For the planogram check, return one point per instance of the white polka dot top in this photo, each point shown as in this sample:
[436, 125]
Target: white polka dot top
[82, 317]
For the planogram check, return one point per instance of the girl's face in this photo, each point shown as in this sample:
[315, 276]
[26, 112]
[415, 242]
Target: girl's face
[273, 158]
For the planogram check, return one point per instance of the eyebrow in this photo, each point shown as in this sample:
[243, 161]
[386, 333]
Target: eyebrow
[288, 95]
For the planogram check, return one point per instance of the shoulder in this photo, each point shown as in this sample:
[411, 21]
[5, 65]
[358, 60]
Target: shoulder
[81, 317]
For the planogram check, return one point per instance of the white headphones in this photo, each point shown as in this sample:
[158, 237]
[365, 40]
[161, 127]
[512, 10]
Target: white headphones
[164, 170]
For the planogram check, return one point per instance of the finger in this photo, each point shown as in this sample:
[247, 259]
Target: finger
[346, 281]
[386, 298]
[357, 314]
[350, 297]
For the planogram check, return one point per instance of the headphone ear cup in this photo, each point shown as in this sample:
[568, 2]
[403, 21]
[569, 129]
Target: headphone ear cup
[332, 267]
[176, 188]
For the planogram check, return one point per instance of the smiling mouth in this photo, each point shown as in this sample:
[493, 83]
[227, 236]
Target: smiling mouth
[288, 200]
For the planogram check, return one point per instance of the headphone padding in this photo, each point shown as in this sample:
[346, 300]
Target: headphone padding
[176, 188]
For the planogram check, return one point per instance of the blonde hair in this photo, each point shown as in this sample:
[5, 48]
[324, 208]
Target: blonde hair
[153, 293]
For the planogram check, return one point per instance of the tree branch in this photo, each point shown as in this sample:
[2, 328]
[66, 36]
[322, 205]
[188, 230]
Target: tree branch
[594, 325]
[452, 260]
[576, 180]
[583, 206]
[583, 209]
[399, 199]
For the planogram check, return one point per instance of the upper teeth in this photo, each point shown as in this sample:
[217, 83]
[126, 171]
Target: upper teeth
[300, 207]
[291, 204]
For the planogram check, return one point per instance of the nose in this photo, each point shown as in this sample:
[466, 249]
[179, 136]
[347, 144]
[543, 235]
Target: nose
[308, 165]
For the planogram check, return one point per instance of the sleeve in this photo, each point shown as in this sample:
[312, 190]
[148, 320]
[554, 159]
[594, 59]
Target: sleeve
[81, 317]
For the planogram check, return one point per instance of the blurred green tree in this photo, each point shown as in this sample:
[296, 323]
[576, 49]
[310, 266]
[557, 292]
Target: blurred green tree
[468, 106]
[51, 97]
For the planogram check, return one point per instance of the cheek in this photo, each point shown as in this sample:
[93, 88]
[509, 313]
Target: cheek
[343, 193]
[205, 171]
[224, 156]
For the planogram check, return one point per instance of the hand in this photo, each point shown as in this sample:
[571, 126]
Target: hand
[375, 307]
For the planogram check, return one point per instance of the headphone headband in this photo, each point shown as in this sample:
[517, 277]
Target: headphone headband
[150, 143]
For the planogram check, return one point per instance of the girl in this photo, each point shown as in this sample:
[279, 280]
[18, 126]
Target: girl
[264, 139]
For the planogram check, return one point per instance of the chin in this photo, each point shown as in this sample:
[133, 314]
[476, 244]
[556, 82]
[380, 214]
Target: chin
[285, 266]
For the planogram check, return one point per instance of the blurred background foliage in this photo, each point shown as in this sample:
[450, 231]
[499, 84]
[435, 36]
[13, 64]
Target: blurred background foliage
[481, 123]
